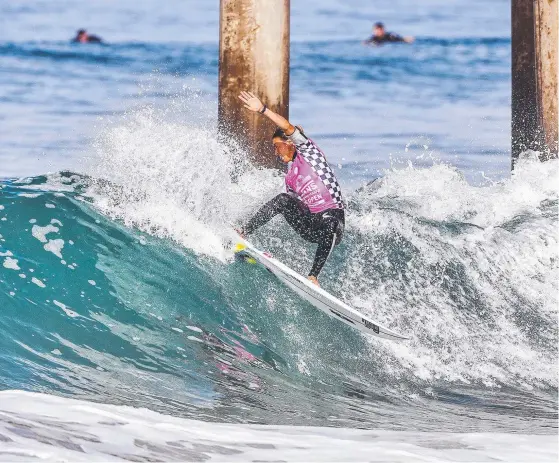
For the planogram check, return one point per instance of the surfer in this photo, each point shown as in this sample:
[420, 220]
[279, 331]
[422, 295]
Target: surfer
[380, 36]
[312, 204]
[83, 37]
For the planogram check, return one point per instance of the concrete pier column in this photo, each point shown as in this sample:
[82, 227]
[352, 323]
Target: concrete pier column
[253, 56]
[535, 44]
[547, 44]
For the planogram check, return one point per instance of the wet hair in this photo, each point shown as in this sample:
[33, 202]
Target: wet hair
[279, 133]
[379, 25]
[81, 32]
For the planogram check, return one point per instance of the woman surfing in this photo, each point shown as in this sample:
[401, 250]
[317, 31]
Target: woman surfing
[312, 204]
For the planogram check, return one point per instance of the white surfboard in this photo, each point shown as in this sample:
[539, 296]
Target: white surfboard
[317, 296]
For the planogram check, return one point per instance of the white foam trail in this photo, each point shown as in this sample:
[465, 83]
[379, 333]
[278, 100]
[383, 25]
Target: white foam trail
[55, 246]
[52, 245]
[65, 309]
[38, 282]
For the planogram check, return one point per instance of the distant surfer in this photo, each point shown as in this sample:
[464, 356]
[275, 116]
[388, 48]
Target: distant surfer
[380, 36]
[312, 204]
[83, 37]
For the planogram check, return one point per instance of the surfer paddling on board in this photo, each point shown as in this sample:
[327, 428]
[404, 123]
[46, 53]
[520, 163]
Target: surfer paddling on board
[312, 204]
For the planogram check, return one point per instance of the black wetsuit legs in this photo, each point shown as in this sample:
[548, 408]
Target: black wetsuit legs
[324, 228]
[283, 204]
[328, 230]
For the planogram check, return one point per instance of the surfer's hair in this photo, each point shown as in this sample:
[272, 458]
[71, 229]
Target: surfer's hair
[279, 133]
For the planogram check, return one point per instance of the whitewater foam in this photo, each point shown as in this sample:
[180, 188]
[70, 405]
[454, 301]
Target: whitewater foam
[65, 309]
[11, 263]
[176, 181]
[442, 193]
[55, 246]
[459, 259]
[41, 232]
[45, 427]
[38, 282]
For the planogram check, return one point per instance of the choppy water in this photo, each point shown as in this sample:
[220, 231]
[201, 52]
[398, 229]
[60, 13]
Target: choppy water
[117, 284]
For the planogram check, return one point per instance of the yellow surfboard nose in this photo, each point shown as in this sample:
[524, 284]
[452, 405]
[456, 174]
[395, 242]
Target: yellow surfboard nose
[239, 247]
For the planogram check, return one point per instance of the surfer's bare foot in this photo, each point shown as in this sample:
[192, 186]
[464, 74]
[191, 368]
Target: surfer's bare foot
[314, 280]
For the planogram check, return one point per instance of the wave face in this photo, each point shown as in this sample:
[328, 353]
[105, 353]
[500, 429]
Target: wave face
[119, 287]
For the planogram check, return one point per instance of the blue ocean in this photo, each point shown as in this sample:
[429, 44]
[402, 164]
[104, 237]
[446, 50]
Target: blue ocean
[128, 331]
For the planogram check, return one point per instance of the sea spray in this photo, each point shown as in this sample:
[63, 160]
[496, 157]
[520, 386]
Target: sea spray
[177, 181]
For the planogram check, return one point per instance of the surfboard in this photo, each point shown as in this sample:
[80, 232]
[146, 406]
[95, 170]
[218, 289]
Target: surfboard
[317, 296]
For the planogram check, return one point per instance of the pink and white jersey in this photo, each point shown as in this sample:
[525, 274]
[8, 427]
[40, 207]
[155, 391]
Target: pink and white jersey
[310, 177]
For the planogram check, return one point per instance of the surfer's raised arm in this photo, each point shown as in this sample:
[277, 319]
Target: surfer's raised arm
[253, 103]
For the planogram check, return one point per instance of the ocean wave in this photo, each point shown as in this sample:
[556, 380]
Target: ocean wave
[120, 286]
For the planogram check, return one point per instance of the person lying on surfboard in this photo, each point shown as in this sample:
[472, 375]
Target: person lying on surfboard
[312, 204]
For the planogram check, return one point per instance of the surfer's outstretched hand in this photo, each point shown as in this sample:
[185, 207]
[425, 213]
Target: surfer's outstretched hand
[314, 280]
[251, 101]
[240, 232]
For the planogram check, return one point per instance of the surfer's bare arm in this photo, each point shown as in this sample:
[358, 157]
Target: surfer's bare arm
[253, 103]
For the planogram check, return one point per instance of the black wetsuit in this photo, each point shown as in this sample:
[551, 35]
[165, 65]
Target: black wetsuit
[387, 37]
[90, 39]
[324, 228]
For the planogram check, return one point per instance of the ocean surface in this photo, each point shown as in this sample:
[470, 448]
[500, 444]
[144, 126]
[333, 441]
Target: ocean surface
[119, 290]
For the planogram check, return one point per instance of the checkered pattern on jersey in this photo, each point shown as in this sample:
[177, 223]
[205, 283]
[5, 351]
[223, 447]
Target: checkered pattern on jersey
[316, 159]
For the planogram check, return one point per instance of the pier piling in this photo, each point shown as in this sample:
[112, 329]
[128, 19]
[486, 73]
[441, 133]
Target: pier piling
[535, 43]
[253, 56]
